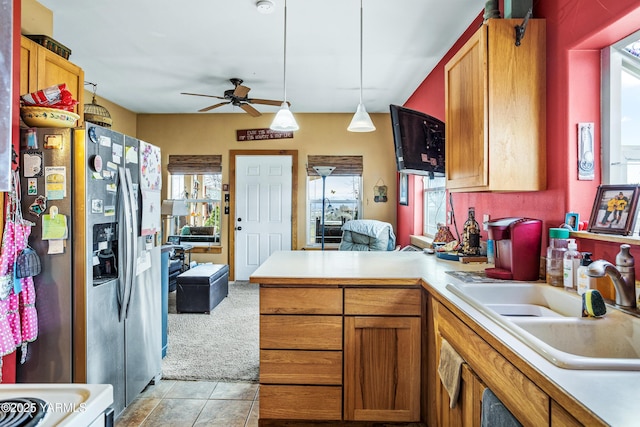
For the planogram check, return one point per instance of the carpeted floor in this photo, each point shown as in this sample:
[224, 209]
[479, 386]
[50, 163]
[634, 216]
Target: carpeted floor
[221, 346]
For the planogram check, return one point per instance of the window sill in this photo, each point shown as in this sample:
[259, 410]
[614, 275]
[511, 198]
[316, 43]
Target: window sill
[612, 238]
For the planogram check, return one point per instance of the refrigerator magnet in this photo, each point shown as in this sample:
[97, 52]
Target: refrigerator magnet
[32, 186]
[55, 182]
[97, 206]
[53, 142]
[110, 210]
[32, 164]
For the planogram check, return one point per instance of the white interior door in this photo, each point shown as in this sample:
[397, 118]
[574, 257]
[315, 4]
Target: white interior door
[263, 210]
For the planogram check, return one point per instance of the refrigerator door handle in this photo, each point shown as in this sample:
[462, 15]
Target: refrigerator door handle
[133, 238]
[127, 253]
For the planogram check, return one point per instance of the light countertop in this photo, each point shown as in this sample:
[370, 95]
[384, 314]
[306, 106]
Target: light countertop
[611, 395]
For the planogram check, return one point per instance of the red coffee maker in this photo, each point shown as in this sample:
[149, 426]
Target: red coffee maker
[517, 244]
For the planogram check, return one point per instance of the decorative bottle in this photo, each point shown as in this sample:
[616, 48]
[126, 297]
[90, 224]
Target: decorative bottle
[471, 235]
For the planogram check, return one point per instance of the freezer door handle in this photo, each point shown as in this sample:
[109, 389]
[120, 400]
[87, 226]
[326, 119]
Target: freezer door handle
[125, 235]
[133, 238]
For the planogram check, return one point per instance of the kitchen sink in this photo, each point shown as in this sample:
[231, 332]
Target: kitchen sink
[521, 298]
[549, 320]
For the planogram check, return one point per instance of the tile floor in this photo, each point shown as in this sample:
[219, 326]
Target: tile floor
[193, 403]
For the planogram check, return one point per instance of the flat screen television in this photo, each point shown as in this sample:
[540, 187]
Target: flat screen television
[419, 142]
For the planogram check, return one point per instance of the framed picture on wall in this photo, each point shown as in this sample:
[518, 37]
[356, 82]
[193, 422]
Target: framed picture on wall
[403, 190]
[614, 209]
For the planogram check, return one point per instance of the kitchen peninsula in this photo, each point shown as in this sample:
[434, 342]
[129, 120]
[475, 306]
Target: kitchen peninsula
[355, 336]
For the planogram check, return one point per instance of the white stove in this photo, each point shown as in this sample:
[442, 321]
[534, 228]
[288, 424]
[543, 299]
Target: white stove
[68, 405]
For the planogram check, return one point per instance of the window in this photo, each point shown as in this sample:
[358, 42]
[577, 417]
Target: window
[434, 205]
[196, 180]
[342, 197]
[342, 203]
[621, 112]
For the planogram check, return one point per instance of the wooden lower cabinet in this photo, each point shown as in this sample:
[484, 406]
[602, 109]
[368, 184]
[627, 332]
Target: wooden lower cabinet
[339, 354]
[468, 410]
[561, 418]
[521, 396]
[382, 368]
[300, 402]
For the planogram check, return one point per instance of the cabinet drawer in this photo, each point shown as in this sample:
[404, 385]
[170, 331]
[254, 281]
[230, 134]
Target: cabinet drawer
[300, 402]
[526, 401]
[300, 300]
[301, 332]
[405, 302]
[300, 367]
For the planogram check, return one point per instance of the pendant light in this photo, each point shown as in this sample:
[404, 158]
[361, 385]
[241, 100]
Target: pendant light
[361, 122]
[284, 120]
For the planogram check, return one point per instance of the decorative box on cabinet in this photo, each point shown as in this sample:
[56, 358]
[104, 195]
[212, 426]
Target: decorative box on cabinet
[41, 68]
[495, 96]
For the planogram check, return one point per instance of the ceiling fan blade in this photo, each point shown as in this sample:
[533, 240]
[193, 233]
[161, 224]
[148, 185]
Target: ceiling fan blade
[266, 102]
[249, 109]
[211, 107]
[241, 91]
[199, 94]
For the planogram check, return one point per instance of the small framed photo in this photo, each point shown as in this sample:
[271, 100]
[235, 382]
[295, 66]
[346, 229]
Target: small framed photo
[614, 209]
[572, 219]
[403, 191]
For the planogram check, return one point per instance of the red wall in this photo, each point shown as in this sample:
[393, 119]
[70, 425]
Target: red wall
[576, 31]
[9, 361]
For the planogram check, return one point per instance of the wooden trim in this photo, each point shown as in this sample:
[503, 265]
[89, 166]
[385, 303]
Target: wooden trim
[232, 193]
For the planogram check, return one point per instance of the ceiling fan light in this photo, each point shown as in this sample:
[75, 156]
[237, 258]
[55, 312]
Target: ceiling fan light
[284, 120]
[361, 122]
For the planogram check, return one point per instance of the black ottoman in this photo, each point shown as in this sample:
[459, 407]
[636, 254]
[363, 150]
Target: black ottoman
[201, 288]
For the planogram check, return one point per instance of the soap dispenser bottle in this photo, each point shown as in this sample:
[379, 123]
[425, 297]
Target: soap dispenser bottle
[583, 279]
[572, 260]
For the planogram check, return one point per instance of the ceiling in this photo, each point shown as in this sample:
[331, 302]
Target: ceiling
[142, 54]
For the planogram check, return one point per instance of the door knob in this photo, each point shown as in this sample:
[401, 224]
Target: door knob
[238, 228]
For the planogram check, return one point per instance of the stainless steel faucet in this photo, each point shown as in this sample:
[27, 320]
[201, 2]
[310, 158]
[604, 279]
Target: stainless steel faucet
[623, 282]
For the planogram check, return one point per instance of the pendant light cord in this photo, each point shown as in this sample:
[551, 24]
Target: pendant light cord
[360, 51]
[284, 83]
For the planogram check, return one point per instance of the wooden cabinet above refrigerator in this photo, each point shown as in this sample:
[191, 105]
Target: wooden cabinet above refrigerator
[41, 68]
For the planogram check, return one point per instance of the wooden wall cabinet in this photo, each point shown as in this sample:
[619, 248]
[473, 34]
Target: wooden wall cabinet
[495, 106]
[41, 68]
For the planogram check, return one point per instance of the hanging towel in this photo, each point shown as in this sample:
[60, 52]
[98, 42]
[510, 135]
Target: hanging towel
[494, 413]
[449, 369]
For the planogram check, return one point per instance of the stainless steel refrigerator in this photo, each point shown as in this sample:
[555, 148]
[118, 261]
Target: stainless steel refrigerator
[98, 296]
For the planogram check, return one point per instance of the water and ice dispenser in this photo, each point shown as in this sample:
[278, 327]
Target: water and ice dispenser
[105, 252]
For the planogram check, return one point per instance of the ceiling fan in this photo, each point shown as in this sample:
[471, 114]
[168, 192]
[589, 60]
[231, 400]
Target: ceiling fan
[238, 97]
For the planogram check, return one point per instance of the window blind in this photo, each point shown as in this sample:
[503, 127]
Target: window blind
[345, 165]
[194, 164]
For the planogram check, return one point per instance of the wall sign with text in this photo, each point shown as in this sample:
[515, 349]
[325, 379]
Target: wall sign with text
[261, 134]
